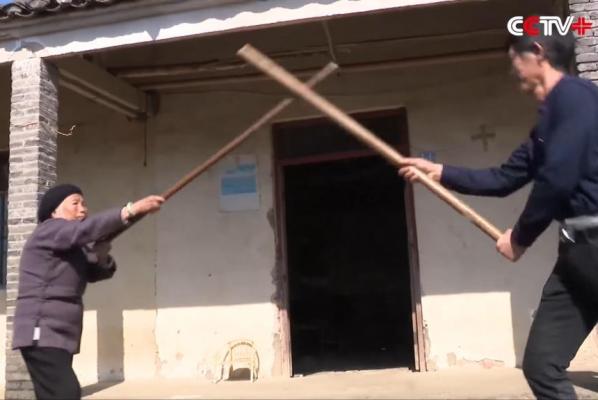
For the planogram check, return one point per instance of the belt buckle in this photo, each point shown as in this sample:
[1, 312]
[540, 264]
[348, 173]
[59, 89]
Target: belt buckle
[567, 234]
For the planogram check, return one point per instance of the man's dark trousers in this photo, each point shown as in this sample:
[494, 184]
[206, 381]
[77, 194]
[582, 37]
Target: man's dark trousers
[567, 313]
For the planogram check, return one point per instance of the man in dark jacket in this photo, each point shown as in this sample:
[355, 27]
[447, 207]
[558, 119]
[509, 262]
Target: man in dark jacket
[61, 256]
[561, 158]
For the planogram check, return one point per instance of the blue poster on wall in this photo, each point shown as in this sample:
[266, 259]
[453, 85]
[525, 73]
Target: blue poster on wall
[238, 184]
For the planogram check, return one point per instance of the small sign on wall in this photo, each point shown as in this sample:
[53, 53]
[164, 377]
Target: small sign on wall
[428, 155]
[238, 184]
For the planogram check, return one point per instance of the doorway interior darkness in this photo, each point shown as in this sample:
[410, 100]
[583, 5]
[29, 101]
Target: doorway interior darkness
[347, 249]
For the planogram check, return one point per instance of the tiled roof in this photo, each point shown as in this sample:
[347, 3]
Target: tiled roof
[32, 8]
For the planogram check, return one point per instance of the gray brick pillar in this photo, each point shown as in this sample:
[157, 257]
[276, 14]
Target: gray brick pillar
[587, 45]
[33, 126]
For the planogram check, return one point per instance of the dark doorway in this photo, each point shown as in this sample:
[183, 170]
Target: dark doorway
[347, 251]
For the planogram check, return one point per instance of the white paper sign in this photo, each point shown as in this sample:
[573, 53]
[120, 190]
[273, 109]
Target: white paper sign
[238, 184]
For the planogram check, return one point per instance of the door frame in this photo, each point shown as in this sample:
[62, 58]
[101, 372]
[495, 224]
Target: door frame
[282, 283]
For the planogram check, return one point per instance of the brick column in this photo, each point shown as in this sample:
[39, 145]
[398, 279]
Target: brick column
[587, 46]
[33, 125]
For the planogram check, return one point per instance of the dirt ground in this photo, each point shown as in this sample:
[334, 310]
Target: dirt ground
[454, 383]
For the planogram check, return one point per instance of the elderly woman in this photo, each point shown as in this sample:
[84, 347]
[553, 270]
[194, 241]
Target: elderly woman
[61, 256]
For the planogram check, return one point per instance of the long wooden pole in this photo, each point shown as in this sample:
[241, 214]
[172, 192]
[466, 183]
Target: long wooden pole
[275, 71]
[236, 142]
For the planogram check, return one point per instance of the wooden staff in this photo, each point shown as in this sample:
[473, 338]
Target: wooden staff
[233, 144]
[275, 71]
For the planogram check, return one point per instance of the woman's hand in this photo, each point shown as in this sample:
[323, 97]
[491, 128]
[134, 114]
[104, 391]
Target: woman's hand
[147, 205]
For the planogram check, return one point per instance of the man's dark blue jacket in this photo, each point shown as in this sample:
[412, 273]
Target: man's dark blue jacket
[560, 156]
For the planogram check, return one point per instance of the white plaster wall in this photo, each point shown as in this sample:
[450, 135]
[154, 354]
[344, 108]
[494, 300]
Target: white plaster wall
[476, 306]
[214, 268]
[105, 156]
[455, 257]
[193, 278]
[213, 280]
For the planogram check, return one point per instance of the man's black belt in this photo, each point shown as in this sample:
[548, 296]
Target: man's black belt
[583, 229]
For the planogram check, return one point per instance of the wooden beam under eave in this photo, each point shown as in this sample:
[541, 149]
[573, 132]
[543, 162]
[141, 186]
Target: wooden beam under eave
[346, 68]
[100, 86]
